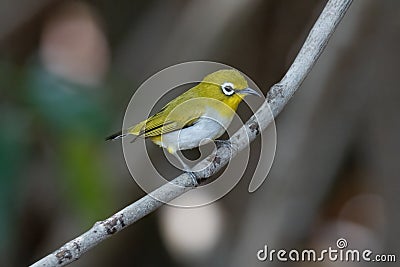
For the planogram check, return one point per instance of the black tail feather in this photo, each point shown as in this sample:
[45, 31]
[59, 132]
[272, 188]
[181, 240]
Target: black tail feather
[115, 136]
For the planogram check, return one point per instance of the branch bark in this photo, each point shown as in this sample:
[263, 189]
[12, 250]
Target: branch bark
[276, 99]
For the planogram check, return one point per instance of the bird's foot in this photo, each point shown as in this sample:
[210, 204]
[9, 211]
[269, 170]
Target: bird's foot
[195, 179]
[222, 143]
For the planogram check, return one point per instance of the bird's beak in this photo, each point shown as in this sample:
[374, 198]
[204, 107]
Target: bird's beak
[249, 91]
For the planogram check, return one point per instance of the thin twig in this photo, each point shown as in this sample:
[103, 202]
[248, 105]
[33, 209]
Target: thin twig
[276, 99]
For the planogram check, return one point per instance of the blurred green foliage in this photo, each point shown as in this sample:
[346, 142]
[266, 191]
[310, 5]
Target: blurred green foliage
[73, 118]
[39, 112]
[14, 143]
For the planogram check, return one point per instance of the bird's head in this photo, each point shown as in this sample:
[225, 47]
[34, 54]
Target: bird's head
[228, 86]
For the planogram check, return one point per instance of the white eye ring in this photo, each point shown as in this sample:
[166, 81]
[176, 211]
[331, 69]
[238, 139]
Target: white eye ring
[228, 89]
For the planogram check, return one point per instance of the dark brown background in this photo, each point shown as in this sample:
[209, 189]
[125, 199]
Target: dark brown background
[69, 68]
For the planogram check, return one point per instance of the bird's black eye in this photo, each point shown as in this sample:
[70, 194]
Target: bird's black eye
[228, 89]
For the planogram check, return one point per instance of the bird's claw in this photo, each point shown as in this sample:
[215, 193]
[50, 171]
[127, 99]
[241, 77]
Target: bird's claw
[221, 143]
[195, 179]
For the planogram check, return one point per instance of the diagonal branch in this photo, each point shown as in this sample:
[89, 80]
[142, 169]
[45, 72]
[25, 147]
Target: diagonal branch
[276, 99]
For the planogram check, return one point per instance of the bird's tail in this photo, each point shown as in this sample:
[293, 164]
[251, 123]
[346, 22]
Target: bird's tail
[135, 131]
[116, 136]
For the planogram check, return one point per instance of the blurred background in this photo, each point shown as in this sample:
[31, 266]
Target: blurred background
[69, 68]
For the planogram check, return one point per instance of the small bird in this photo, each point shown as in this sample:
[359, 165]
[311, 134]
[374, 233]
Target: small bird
[198, 116]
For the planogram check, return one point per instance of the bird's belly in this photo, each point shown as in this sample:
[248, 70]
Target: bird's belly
[204, 131]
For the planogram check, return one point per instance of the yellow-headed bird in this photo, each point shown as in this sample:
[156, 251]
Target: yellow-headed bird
[199, 115]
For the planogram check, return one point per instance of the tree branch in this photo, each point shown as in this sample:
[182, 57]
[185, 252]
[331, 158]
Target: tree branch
[276, 99]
